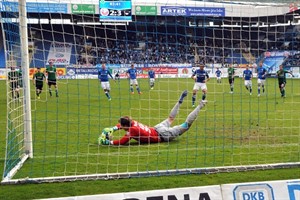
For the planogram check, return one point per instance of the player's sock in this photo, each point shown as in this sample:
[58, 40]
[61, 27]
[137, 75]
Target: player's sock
[50, 92]
[193, 115]
[183, 95]
[193, 99]
[131, 88]
[37, 94]
[203, 96]
[247, 88]
[56, 92]
[258, 90]
[263, 89]
[250, 90]
[174, 110]
[138, 89]
[283, 92]
[107, 95]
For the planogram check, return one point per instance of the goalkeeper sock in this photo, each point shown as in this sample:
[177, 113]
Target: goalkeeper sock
[203, 96]
[174, 110]
[194, 114]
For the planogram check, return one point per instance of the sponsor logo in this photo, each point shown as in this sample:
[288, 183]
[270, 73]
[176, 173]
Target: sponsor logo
[185, 71]
[294, 190]
[75, 7]
[71, 72]
[174, 11]
[104, 11]
[138, 8]
[59, 55]
[204, 196]
[253, 192]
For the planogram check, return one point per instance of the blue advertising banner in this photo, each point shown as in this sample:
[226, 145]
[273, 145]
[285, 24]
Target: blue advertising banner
[271, 64]
[192, 11]
[35, 7]
[115, 10]
[75, 71]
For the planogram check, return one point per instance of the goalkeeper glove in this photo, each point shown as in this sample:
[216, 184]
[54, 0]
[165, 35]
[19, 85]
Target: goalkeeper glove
[107, 132]
[103, 141]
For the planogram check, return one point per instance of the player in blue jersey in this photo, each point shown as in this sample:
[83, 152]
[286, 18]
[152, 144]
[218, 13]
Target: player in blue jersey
[218, 75]
[247, 76]
[201, 77]
[151, 75]
[261, 78]
[103, 74]
[132, 75]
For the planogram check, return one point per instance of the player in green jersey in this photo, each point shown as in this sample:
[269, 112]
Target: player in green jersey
[282, 79]
[51, 78]
[38, 81]
[231, 73]
[13, 77]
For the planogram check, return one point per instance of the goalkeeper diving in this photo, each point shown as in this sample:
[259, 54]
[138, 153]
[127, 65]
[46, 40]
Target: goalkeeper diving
[162, 132]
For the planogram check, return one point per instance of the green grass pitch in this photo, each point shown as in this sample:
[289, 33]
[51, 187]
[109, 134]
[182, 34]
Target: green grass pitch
[233, 129]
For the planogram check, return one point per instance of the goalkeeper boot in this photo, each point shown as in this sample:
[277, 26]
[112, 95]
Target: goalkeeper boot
[183, 95]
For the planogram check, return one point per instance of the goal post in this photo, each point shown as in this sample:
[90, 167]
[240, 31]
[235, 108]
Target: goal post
[25, 77]
[243, 127]
[19, 131]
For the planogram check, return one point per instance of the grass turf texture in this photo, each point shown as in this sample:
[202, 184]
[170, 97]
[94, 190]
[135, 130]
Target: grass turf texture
[236, 129]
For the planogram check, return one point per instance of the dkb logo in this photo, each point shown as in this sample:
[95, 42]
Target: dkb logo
[294, 190]
[253, 192]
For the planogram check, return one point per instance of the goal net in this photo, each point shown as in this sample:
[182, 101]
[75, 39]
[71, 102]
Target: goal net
[53, 128]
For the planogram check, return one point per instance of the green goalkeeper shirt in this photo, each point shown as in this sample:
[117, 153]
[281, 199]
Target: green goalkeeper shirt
[51, 71]
[281, 75]
[39, 78]
[231, 72]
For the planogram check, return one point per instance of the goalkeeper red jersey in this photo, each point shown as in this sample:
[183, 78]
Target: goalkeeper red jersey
[138, 132]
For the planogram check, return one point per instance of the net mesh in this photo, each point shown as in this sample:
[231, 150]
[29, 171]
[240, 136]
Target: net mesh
[235, 131]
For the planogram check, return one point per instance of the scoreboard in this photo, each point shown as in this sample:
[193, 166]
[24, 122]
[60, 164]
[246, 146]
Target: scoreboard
[114, 11]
